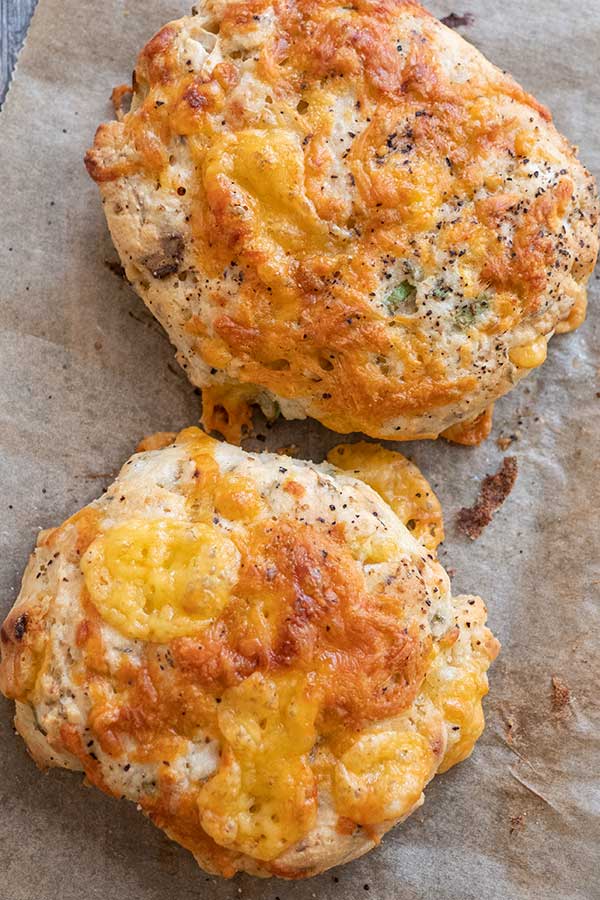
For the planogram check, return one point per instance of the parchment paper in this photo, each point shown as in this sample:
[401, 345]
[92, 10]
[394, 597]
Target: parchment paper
[85, 372]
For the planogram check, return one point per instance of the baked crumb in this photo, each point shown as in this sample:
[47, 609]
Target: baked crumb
[561, 694]
[504, 441]
[517, 823]
[494, 491]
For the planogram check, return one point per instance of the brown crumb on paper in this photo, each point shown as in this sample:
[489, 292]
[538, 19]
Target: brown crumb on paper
[455, 21]
[494, 491]
[517, 823]
[561, 694]
[504, 441]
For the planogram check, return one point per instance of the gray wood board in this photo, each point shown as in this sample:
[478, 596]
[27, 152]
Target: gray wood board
[14, 20]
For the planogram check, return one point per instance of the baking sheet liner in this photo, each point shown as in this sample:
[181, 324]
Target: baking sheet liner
[85, 372]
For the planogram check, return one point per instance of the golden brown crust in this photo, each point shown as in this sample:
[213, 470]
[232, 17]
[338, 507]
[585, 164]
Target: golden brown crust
[156, 441]
[22, 635]
[469, 434]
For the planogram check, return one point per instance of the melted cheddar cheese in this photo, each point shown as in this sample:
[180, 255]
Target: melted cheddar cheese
[382, 775]
[263, 799]
[459, 699]
[456, 684]
[532, 355]
[157, 579]
[399, 482]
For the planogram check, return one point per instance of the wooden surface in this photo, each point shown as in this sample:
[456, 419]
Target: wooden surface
[14, 19]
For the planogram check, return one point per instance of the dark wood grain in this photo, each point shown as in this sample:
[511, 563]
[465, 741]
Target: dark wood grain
[14, 21]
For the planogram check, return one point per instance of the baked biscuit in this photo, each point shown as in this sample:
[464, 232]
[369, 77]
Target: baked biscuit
[255, 650]
[345, 212]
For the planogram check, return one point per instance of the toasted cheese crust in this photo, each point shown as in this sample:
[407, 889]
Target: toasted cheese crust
[255, 650]
[344, 212]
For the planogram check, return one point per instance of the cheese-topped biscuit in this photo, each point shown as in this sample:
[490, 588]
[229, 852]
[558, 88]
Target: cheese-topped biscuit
[255, 650]
[345, 212]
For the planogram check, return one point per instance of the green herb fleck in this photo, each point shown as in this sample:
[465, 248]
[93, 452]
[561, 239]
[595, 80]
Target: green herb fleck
[400, 295]
[274, 412]
[467, 315]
